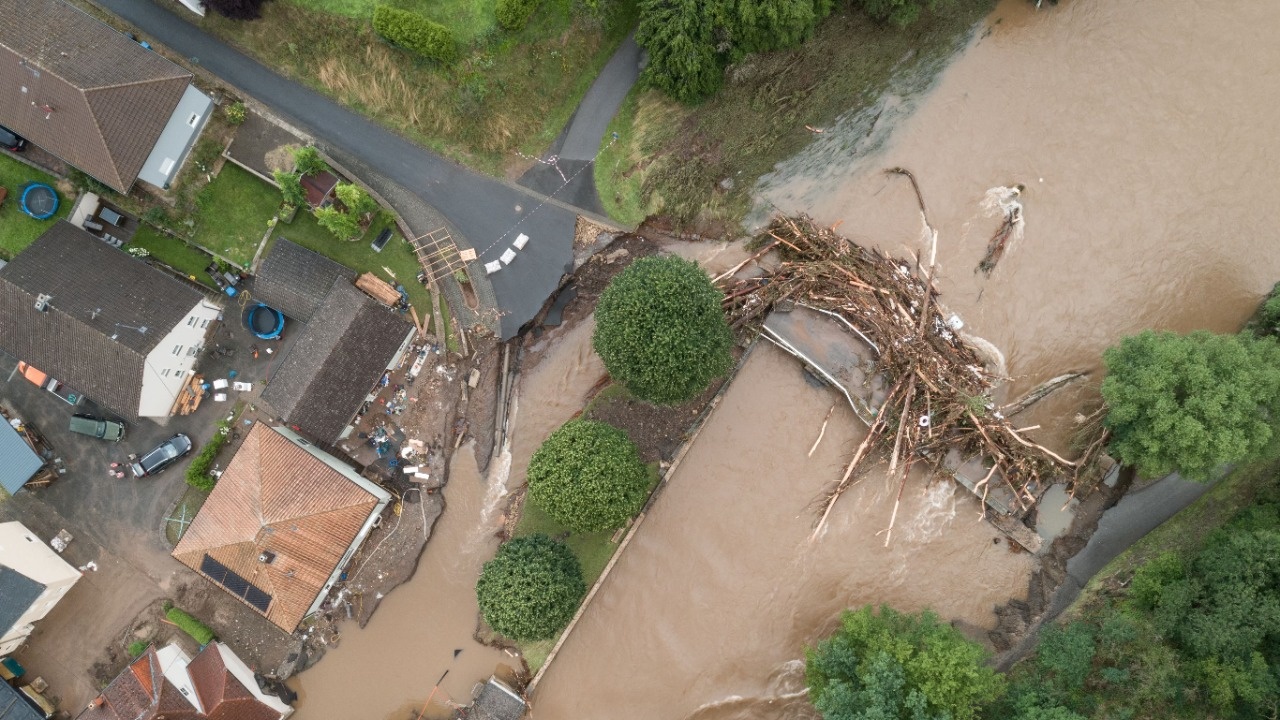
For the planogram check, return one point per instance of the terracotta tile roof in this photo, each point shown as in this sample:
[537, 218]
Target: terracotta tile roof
[77, 88]
[141, 692]
[295, 280]
[97, 292]
[320, 385]
[276, 497]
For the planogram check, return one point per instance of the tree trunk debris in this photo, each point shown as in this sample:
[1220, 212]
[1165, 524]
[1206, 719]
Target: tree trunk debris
[939, 393]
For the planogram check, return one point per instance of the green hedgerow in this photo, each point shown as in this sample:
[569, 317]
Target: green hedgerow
[415, 33]
[188, 624]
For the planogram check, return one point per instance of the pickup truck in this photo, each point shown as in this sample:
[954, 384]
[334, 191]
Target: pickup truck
[40, 379]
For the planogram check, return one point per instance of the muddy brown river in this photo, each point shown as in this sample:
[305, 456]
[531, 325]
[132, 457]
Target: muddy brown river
[1144, 133]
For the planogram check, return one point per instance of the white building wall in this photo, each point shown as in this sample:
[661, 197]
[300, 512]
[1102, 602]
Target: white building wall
[22, 551]
[172, 360]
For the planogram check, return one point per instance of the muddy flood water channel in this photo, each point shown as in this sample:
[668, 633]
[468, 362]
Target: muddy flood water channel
[711, 605]
[388, 669]
[1145, 137]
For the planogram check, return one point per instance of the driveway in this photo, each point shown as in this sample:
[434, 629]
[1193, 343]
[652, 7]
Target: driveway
[117, 524]
[486, 213]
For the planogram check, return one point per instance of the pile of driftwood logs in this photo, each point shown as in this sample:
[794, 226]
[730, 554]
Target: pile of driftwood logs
[939, 396]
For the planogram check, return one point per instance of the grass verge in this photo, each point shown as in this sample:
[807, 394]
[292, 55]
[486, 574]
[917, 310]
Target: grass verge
[673, 158]
[509, 91]
[18, 230]
[192, 499]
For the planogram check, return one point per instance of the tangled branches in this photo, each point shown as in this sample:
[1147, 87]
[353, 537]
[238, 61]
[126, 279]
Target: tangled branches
[938, 398]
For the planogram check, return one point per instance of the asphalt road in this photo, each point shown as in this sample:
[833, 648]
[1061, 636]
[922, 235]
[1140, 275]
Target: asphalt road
[488, 213]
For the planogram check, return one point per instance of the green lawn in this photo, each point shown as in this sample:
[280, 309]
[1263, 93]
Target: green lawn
[174, 252]
[232, 214]
[397, 256]
[16, 229]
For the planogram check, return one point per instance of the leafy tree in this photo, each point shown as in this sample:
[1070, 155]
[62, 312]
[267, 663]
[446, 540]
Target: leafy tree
[355, 199]
[308, 161]
[1065, 654]
[660, 330]
[1190, 403]
[893, 666]
[531, 588]
[680, 38]
[344, 226]
[899, 12]
[290, 187]
[236, 9]
[588, 476]
[514, 14]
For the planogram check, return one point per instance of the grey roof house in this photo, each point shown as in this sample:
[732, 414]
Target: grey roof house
[295, 280]
[120, 331]
[18, 462]
[348, 343]
[14, 707]
[91, 96]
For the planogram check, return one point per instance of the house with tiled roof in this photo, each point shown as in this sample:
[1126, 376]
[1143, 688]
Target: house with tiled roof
[33, 578]
[295, 280]
[103, 322]
[281, 525]
[168, 684]
[336, 362]
[86, 93]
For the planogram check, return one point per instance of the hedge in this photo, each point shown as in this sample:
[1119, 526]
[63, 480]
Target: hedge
[416, 33]
[198, 475]
[513, 14]
[188, 624]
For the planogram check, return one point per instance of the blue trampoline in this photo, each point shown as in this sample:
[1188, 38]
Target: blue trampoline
[266, 323]
[39, 201]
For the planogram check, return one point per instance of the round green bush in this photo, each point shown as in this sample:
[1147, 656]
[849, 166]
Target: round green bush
[661, 332]
[416, 33]
[530, 589]
[512, 15]
[588, 476]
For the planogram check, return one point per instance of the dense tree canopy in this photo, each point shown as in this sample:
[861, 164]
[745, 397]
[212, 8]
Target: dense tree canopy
[893, 666]
[531, 588]
[1190, 403]
[660, 330]
[588, 476]
[691, 41]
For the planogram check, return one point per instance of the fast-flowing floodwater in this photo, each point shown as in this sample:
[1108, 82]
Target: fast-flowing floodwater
[390, 668]
[1143, 133]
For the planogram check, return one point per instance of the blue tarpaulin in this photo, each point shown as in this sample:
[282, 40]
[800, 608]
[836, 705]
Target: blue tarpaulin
[18, 462]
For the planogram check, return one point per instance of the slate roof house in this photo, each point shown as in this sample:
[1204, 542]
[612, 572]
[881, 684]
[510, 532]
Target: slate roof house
[91, 96]
[281, 524]
[14, 707]
[295, 280]
[168, 684]
[122, 332]
[348, 342]
[33, 578]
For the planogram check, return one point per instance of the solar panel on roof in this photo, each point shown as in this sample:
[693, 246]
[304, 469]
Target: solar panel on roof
[235, 584]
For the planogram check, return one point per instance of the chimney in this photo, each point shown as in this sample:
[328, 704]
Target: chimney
[266, 556]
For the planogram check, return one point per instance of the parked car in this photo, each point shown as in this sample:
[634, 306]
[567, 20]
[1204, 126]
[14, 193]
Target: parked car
[96, 427]
[164, 455]
[11, 140]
